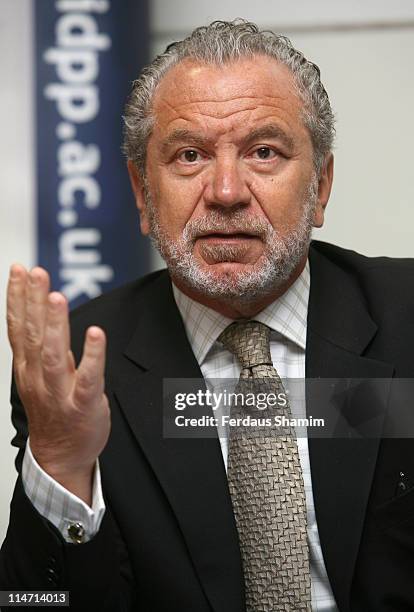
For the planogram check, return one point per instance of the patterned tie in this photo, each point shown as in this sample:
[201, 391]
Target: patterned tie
[266, 485]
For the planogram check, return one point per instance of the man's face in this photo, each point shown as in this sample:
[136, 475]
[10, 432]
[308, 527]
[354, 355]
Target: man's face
[230, 191]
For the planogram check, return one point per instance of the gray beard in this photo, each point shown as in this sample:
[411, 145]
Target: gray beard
[283, 252]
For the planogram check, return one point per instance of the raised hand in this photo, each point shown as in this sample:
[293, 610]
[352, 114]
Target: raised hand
[67, 410]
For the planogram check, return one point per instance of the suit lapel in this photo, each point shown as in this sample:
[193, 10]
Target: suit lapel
[339, 331]
[190, 471]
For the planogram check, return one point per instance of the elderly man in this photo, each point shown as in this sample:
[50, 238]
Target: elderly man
[228, 137]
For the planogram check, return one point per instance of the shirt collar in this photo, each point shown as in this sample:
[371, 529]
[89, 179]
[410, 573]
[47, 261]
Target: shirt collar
[287, 315]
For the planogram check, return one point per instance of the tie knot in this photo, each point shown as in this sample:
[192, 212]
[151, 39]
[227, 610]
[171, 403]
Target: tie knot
[249, 341]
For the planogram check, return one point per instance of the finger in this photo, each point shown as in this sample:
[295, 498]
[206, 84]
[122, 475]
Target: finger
[57, 362]
[90, 375]
[37, 289]
[16, 311]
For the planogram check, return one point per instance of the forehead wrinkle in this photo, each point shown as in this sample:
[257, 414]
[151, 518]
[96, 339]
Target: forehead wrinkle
[230, 113]
[224, 100]
[169, 106]
[192, 99]
[243, 103]
[200, 115]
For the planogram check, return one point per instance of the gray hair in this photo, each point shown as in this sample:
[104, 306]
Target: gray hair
[219, 43]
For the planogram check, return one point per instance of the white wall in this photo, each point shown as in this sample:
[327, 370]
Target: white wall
[183, 15]
[367, 68]
[16, 198]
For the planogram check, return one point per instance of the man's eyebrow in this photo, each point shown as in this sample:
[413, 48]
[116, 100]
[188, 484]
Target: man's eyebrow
[270, 131]
[184, 136]
[196, 139]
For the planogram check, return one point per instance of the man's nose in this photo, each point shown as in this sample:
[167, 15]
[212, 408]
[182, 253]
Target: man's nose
[227, 184]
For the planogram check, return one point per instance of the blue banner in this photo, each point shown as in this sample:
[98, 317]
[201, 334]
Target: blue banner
[87, 54]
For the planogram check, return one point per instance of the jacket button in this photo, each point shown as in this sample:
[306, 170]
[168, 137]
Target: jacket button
[52, 576]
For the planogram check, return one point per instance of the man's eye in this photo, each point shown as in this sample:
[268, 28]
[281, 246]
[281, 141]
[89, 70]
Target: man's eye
[189, 156]
[264, 153]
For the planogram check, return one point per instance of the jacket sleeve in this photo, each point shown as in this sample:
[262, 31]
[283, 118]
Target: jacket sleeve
[34, 555]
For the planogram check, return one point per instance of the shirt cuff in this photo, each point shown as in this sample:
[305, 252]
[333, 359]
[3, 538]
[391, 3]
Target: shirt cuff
[76, 521]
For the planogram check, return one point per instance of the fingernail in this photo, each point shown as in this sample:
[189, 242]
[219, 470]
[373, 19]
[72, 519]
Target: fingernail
[14, 271]
[55, 300]
[94, 333]
[34, 278]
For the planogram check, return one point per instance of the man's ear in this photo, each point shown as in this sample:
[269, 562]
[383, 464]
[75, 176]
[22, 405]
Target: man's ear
[324, 190]
[137, 183]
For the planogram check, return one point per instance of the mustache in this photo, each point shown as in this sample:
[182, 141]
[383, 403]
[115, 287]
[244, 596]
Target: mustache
[237, 222]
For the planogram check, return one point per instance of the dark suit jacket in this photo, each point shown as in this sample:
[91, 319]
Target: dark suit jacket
[168, 541]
